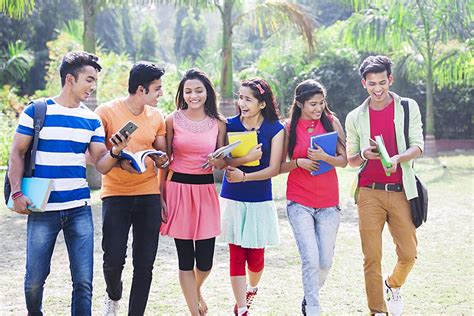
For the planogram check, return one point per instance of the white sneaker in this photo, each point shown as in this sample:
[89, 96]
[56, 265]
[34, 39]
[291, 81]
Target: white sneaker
[393, 299]
[111, 307]
[379, 314]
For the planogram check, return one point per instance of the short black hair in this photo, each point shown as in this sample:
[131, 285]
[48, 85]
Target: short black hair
[142, 74]
[73, 62]
[375, 64]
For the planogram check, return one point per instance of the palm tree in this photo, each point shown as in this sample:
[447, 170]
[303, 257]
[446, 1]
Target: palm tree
[272, 15]
[15, 62]
[269, 14]
[17, 8]
[435, 35]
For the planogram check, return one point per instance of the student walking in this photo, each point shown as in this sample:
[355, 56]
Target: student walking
[312, 201]
[70, 129]
[131, 199]
[194, 130]
[250, 221]
[384, 198]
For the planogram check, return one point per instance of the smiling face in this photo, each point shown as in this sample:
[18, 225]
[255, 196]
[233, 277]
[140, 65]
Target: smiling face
[377, 85]
[154, 92]
[86, 83]
[248, 103]
[313, 108]
[194, 94]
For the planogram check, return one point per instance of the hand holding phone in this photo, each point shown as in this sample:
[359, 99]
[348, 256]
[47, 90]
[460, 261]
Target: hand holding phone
[129, 128]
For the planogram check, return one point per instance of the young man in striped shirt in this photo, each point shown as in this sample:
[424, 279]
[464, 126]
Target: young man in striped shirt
[70, 129]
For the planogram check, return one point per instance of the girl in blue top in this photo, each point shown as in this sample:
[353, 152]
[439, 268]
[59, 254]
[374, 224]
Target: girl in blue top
[249, 217]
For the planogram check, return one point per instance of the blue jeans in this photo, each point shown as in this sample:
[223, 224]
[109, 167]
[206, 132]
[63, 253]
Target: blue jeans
[42, 231]
[315, 231]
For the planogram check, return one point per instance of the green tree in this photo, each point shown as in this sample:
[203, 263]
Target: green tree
[434, 36]
[15, 62]
[190, 34]
[147, 50]
[17, 8]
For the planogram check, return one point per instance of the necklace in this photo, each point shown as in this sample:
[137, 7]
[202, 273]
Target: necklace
[256, 128]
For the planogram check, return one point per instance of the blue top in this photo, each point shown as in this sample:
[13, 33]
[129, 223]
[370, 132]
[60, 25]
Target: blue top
[252, 191]
[62, 144]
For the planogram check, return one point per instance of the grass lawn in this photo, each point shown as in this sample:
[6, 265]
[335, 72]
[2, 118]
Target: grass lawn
[440, 283]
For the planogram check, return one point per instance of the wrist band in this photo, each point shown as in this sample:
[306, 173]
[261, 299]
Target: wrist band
[16, 195]
[296, 161]
[114, 155]
[243, 177]
[361, 154]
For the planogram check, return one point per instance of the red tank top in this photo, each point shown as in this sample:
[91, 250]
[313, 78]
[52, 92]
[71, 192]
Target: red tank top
[313, 191]
[381, 123]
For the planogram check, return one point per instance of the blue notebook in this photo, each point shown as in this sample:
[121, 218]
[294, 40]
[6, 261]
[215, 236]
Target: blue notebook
[37, 190]
[328, 142]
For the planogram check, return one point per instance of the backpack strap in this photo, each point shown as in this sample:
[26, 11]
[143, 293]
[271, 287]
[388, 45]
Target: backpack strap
[406, 120]
[38, 122]
[406, 123]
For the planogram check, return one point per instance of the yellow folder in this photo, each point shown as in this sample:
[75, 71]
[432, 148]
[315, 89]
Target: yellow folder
[248, 141]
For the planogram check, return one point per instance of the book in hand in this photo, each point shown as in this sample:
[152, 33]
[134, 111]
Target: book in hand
[328, 142]
[248, 141]
[224, 151]
[138, 159]
[384, 156]
[37, 190]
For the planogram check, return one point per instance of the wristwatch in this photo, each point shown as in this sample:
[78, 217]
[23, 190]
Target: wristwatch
[119, 156]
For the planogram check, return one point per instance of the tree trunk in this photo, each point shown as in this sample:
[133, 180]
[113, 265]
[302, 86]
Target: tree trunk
[430, 119]
[227, 107]
[94, 178]
[90, 13]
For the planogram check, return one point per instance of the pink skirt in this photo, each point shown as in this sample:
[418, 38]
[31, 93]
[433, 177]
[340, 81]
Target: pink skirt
[193, 211]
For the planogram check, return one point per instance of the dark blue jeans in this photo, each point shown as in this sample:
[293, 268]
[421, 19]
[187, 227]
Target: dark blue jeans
[42, 231]
[143, 212]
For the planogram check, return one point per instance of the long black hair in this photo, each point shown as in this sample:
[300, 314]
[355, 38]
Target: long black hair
[303, 92]
[210, 106]
[262, 91]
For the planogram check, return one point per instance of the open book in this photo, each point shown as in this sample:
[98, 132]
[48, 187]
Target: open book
[37, 190]
[138, 159]
[384, 156]
[328, 142]
[248, 141]
[224, 151]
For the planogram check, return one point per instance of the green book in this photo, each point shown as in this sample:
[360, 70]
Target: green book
[384, 156]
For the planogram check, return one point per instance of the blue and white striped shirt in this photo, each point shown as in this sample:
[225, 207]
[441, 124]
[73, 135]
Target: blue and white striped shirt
[63, 141]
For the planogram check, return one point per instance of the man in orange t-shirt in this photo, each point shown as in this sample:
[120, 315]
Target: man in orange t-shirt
[130, 198]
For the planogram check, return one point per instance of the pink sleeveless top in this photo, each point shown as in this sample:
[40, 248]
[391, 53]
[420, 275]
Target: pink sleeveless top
[192, 142]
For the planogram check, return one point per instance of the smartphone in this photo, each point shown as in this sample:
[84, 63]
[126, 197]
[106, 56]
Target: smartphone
[130, 127]
[373, 143]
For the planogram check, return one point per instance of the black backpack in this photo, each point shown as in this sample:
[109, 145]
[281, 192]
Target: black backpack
[39, 110]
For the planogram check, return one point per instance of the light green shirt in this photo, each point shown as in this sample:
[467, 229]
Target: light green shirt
[358, 134]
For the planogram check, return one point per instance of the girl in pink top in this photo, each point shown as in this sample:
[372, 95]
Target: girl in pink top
[312, 201]
[193, 131]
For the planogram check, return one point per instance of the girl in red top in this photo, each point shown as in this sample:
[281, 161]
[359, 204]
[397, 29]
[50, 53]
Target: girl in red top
[312, 201]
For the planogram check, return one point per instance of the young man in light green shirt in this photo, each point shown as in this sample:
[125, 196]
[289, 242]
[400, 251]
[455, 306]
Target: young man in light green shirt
[382, 194]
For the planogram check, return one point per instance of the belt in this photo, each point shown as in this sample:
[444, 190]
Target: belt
[192, 178]
[390, 187]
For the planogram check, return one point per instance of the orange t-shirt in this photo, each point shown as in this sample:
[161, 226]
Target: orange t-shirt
[115, 115]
